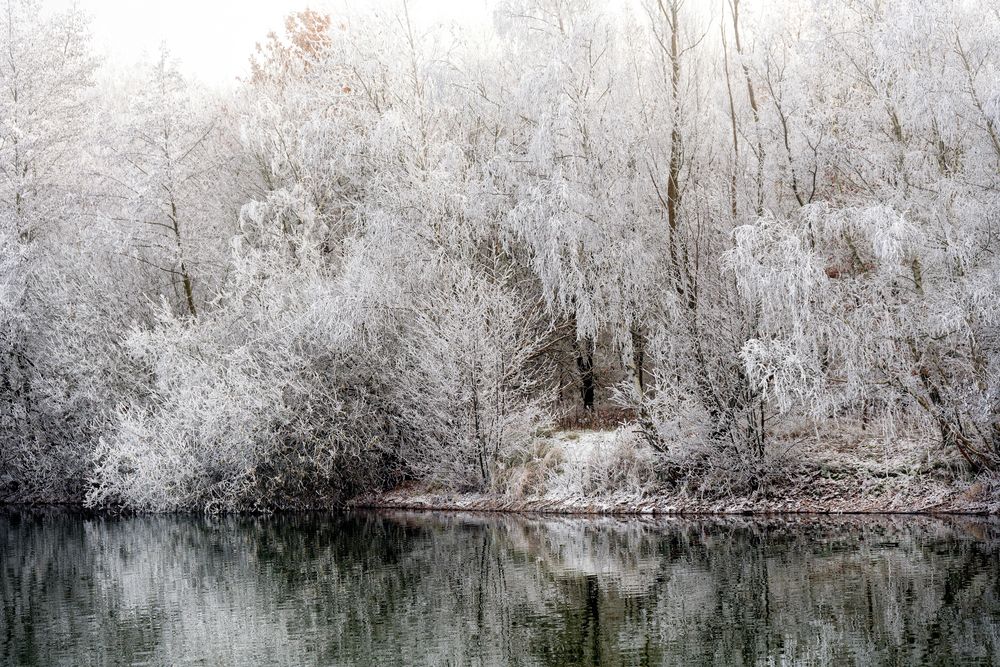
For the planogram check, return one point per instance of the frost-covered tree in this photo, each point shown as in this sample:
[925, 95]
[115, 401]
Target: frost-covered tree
[169, 171]
[885, 274]
[45, 77]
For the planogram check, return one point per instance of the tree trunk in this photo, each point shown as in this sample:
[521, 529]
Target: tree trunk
[638, 360]
[585, 365]
[185, 276]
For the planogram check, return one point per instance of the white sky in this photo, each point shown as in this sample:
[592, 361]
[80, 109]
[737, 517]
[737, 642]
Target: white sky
[213, 39]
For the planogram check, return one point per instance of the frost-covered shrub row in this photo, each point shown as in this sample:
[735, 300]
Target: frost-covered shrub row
[403, 252]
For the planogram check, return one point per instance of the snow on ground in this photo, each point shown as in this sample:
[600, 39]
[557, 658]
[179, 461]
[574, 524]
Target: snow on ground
[582, 451]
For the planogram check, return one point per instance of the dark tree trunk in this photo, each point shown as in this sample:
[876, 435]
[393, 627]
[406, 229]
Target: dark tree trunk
[585, 364]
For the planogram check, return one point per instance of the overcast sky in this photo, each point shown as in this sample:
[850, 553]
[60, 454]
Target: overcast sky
[213, 39]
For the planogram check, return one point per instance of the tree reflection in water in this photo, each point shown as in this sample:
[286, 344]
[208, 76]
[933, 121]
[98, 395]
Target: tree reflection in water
[430, 588]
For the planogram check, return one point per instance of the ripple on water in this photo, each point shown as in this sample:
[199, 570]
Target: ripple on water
[440, 588]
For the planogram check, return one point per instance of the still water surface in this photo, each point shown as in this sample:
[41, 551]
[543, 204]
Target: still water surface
[460, 589]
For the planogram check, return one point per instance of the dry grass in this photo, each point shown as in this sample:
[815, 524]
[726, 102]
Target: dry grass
[599, 419]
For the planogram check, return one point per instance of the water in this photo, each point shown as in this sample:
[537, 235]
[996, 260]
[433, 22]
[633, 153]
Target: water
[453, 589]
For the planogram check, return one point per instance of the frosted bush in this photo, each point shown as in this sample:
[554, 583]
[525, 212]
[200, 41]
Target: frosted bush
[470, 385]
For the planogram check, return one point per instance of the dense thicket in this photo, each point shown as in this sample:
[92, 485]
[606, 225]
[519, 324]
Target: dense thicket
[399, 252]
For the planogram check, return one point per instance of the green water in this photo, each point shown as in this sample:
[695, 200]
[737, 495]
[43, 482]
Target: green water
[459, 589]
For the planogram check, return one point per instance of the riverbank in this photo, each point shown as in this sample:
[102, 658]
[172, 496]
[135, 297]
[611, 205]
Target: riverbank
[614, 472]
[415, 497]
[610, 472]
